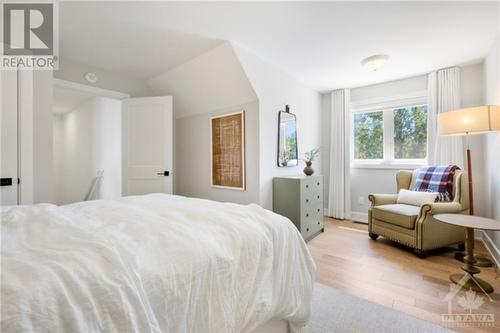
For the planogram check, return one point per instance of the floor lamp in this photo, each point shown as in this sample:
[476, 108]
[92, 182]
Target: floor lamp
[465, 122]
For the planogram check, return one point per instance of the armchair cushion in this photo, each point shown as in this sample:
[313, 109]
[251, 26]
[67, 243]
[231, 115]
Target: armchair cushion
[397, 214]
[416, 198]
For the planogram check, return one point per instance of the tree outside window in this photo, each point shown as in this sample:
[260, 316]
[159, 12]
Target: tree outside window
[410, 132]
[368, 136]
[391, 135]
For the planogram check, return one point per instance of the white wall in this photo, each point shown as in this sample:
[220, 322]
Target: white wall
[58, 157]
[74, 72]
[192, 160]
[88, 139]
[367, 180]
[43, 189]
[492, 96]
[275, 89]
[210, 84]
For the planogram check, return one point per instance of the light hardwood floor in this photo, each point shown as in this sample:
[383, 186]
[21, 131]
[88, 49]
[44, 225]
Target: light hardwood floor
[390, 274]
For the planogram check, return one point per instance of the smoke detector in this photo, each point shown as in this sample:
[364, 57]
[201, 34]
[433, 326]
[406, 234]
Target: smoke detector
[90, 77]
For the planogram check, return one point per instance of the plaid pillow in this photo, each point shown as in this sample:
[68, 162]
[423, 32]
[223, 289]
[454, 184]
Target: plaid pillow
[437, 178]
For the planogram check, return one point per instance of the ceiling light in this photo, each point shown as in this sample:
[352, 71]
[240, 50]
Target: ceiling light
[374, 63]
[90, 77]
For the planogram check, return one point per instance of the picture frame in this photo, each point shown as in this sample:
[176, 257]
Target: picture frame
[227, 151]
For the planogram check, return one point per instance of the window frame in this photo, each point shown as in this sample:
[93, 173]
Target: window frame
[387, 106]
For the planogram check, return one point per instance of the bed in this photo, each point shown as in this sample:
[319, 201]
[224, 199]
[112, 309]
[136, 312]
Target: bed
[152, 263]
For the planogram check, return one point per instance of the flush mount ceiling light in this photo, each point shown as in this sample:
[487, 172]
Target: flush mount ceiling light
[90, 77]
[374, 63]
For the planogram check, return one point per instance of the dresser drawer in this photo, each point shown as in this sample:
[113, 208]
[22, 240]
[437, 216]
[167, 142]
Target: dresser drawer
[310, 227]
[312, 184]
[311, 199]
[312, 211]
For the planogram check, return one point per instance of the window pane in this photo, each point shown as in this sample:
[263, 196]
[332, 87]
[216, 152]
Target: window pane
[368, 136]
[410, 132]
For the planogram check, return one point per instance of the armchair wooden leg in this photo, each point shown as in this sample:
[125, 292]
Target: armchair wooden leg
[421, 253]
[461, 246]
[373, 236]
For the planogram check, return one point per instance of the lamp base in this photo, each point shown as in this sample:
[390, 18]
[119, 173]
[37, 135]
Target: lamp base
[481, 261]
[473, 283]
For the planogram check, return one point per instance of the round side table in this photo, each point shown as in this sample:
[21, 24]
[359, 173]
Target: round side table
[470, 223]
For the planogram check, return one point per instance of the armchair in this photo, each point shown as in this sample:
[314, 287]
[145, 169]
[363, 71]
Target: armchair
[415, 226]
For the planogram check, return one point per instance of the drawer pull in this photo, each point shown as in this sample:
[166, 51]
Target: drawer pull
[318, 209]
[307, 229]
[318, 196]
[307, 215]
[318, 183]
[307, 186]
[319, 223]
[307, 200]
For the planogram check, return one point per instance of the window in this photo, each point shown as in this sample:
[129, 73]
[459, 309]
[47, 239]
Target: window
[410, 132]
[393, 135]
[368, 136]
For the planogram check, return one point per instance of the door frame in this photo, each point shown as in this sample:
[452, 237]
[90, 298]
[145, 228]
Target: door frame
[64, 85]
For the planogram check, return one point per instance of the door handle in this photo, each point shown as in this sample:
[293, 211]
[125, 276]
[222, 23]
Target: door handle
[163, 173]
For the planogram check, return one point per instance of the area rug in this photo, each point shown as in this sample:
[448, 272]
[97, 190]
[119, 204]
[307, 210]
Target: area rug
[335, 311]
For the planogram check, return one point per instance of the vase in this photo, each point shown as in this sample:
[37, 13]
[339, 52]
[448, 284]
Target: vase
[308, 170]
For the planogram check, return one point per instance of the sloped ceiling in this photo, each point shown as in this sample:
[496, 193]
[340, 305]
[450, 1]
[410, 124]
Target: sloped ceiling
[209, 82]
[319, 43]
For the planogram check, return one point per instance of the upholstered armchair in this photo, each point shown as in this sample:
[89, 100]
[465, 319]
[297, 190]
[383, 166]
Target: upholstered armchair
[415, 226]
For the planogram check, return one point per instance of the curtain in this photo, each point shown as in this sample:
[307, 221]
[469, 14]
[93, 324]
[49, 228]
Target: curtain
[339, 199]
[443, 96]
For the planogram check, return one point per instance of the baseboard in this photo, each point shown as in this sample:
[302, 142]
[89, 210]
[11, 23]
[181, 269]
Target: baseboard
[491, 247]
[355, 216]
[359, 217]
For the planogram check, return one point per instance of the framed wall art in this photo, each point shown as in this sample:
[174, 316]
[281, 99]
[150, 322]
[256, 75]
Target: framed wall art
[227, 135]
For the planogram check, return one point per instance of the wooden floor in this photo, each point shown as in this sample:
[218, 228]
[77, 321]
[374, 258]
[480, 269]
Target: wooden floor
[390, 274]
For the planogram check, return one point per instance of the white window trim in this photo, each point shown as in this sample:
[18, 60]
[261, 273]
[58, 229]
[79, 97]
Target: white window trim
[386, 104]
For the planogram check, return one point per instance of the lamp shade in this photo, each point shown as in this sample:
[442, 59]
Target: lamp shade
[475, 120]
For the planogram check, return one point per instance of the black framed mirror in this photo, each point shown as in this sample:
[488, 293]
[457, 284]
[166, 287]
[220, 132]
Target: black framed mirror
[288, 154]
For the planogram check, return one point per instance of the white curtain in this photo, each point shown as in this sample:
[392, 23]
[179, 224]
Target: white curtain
[443, 96]
[339, 200]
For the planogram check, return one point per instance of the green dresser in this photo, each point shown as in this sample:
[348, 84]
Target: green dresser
[300, 198]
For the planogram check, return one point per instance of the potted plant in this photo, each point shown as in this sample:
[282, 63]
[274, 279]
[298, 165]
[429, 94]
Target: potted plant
[309, 157]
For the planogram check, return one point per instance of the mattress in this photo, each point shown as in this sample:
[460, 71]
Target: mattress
[153, 263]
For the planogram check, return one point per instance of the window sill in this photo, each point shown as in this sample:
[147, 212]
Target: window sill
[399, 166]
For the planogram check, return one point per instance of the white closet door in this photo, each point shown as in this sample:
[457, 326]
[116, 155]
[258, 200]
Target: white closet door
[8, 137]
[147, 145]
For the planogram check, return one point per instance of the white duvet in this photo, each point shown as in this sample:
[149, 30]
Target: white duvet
[154, 263]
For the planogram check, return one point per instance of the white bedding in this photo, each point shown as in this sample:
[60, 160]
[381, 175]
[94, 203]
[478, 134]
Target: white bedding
[154, 263]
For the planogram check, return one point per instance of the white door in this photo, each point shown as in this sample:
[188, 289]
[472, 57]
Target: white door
[8, 137]
[147, 145]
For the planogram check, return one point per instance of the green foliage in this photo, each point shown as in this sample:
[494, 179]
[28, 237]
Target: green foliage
[291, 146]
[410, 132]
[368, 136]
